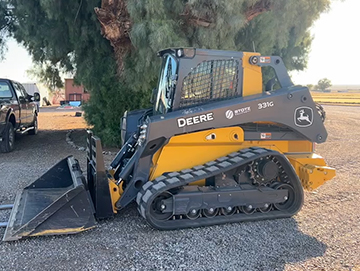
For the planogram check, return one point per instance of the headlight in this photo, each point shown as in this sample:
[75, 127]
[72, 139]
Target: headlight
[142, 135]
[123, 128]
[179, 52]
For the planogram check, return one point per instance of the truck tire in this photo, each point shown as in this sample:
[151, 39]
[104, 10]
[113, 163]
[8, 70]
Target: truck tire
[35, 125]
[8, 138]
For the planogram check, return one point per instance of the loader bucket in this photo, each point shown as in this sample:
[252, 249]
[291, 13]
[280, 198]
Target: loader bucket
[56, 203]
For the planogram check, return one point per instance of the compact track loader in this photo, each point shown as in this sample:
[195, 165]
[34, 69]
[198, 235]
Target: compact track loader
[218, 146]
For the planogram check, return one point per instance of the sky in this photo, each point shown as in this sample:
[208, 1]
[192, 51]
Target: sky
[17, 61]
[335, 41]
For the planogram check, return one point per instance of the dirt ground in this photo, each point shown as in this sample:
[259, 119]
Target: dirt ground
[61, 121]
[324, 235]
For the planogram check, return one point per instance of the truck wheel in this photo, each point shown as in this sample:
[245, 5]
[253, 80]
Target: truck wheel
[8, 138]
[35, 125]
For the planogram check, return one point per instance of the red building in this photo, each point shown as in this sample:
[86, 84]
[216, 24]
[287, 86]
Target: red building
[74, 92]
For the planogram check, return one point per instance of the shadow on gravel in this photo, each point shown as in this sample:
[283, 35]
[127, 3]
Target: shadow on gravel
[285, 245]
[262, 245]
[44, 139]
[79, 137]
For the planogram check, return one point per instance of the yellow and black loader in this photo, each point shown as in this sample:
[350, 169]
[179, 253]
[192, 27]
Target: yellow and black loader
[218, 146]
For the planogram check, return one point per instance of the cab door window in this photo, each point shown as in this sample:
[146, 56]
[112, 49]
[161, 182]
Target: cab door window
[167, 84]
[19, 92]
[23, 90]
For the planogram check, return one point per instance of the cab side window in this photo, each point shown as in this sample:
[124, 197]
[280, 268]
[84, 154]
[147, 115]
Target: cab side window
[23, 90]
[19, 92]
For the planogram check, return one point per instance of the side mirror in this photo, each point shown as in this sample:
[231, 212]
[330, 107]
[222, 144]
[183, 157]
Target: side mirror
[36, 97]
[153, 95]
[28, 97]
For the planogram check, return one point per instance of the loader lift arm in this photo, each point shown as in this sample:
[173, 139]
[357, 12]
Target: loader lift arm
[97, 179]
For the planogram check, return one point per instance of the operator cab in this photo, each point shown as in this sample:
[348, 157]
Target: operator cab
[190, 77]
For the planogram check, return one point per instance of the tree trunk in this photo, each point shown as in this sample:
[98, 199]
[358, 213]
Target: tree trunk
[115, 26]
[116, 22]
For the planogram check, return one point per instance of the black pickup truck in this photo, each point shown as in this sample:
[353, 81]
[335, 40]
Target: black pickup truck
[18, 113]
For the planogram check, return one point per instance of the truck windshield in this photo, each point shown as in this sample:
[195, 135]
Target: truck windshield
[5, 90]
[167, 84]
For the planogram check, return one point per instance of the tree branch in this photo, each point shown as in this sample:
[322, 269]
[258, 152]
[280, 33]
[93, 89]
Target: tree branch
[206, 16]
[192, 16]
[257, 9]
[115, 26]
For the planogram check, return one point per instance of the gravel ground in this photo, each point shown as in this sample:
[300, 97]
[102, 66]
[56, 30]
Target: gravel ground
[325, 235]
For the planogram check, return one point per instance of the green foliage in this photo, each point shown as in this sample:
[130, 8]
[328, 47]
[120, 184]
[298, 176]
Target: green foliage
[6, 22]
[283, 31]
[310, 86]
[323, 84]
[67, 34]
[47, 74]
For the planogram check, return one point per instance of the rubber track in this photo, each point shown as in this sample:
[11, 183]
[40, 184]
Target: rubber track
[152, 189]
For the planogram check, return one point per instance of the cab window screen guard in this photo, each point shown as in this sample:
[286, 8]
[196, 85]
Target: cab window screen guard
[209, 81]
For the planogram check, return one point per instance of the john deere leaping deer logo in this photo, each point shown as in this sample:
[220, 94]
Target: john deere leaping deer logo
[303, 116]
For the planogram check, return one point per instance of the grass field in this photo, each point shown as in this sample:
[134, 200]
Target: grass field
[350, 98]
